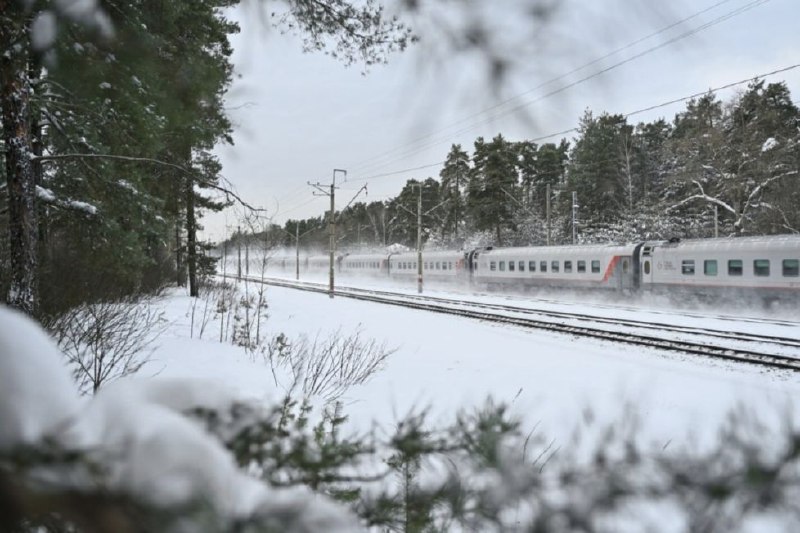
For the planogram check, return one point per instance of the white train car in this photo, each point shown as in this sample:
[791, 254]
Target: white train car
[364, 265]
[436, 266]
[582, 267]
[318, 263]
[763, 267]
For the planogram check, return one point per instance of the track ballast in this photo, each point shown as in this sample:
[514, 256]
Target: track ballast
[554, 321]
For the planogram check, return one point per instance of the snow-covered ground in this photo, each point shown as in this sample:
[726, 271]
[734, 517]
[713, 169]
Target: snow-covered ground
[448, 363]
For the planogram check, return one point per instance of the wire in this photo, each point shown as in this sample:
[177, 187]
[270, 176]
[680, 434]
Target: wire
[626, 115]
[494, 116]
[548, 82]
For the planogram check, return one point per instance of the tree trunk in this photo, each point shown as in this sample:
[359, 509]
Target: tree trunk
[15, 100]
[191, 238]
[179, 267]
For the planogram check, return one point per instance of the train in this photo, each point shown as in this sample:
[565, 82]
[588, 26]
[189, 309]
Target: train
[765, 268]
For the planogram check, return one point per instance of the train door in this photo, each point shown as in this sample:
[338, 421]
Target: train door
[637, 265]
[625, 273]
[647, 267]
[470, 264]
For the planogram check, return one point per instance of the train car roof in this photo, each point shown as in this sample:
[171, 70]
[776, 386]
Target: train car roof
[575, 248]
[763, 242]
[366, 257]
[436, 254]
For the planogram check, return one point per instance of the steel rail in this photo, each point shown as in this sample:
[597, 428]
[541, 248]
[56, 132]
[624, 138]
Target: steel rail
[444, 307]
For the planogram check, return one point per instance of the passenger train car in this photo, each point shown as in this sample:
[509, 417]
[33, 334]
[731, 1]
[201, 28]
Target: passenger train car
[765, 267]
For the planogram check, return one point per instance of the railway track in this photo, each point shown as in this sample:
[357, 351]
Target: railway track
[728, 345]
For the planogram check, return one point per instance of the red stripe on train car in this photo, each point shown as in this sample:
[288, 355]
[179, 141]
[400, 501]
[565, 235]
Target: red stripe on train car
[610, 270]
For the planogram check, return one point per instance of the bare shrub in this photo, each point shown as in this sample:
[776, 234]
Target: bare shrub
[108, 340]
[327, 367]
[214, 301]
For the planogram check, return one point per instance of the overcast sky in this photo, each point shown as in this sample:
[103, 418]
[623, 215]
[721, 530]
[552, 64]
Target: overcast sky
[298, 116]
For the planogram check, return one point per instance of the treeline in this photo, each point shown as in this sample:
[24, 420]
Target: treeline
[109, 118]
[726, 168]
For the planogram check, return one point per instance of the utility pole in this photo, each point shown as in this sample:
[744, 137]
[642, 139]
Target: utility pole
[297, 251]
[419, 240]
[458, 199]
[548, 214]
[716, 221]
[574, 217]
[239, 252]
[420, 214]
[331, 224]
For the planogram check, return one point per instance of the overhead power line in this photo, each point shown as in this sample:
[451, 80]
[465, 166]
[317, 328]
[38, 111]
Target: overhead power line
[419, 144]
[626, 115]
[553, 80]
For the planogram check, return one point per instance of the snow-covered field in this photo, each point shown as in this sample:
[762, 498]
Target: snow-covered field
[447, 363]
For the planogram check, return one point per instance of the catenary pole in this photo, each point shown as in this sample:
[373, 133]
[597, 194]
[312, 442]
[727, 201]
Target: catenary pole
[548, 214]
[239, 253]
[419, 240]
[574, 217]
[297, 251]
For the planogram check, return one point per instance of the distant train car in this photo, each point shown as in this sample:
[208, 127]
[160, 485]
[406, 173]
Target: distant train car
[436, 266]
[764, 267]
[767, 268]
[364, 264]
[592, 266]
[318, 263]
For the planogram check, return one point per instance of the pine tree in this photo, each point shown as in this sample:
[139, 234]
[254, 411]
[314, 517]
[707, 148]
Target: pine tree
[492, 195]
[597, 167]
[453, 177]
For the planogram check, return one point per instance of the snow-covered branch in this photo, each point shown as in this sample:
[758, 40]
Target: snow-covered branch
[227, 191]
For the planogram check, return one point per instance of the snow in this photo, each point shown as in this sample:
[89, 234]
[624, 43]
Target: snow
[82, 206]
[105, 85]
[769, 144]
[449, 364]
[137, 431]
[45, 194]
[43, 30]
[558, 384]
[37, 392]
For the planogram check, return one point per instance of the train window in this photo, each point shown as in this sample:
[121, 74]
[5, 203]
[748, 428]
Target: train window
[687, 267]
[414, 265]
[522, 266]
[761, 267]
[624, 266]
[647, 267]
[511, 265]
[492, 266]
[531, 266]
[543, 266]
[567, 266]
[595, 266]
[735, 267]
[581, 266]
[710, 267]
[502, 266]
[554, 266]
[791, 267]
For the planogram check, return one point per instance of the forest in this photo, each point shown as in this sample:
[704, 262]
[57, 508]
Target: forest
[718, 168]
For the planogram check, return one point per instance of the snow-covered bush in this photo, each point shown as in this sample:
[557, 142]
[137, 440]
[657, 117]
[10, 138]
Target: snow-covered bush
[325, 367]
[129, 459]
[105, 341]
